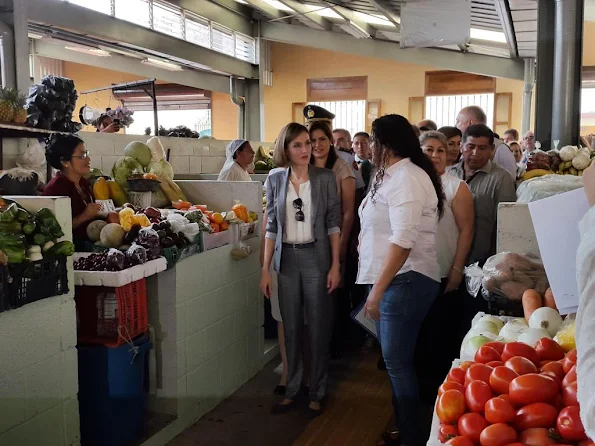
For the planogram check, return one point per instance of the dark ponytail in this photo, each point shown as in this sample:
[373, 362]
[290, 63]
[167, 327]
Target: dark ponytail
[393, 135]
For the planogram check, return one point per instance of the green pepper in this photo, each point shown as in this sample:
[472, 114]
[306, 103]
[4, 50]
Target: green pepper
[63, 248]
[38, 239]
[30, 226]
[22, 215]
[15, 254]
[48, 223]
[9, 239]
[11, 227]
[10, 213]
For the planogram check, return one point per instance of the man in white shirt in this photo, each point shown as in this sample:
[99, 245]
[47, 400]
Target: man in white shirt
[502, 155]
[528, 145]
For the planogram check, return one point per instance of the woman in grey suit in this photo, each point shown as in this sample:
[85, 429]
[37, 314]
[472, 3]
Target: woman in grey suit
[302, 242]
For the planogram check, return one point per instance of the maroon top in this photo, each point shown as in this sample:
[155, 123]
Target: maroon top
[61, 186]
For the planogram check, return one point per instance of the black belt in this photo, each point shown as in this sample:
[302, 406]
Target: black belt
[299, 245]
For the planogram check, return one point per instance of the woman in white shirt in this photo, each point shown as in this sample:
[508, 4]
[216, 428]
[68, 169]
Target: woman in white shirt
[453, 242]
[302, 244]
[398, 259]
[239, 158]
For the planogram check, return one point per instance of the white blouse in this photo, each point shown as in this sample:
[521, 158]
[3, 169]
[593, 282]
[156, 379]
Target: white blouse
[403, 212]
[233, 172]
[448, 231]
[298, 232]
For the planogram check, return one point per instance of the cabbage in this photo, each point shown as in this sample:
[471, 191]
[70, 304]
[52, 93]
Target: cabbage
[139, 151]
[123, 169]
[161, 168]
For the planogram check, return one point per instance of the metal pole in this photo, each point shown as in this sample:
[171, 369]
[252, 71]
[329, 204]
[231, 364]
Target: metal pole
[544, 74]
[528, 94]
[568, 38]
[155, 117]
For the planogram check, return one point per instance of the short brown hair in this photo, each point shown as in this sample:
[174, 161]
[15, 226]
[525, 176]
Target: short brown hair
[433, 135]
[514, 133]
[287, 134]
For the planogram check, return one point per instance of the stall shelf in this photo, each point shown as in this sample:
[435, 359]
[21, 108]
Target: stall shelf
[38, 373]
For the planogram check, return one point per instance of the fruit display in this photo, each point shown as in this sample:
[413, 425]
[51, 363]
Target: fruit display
[511, 392]
[570, 160]
[12, 106]
[263, 160]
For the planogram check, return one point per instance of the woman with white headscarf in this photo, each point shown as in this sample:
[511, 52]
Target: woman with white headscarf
[240, 156]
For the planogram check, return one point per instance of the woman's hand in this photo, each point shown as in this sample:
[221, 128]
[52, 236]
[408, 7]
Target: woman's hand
[454, 280]
[372, 308]
[589, 180]
[92, 210]
[333, 278]
[266, 283]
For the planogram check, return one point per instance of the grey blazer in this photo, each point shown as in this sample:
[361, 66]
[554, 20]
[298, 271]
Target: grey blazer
[326, 212]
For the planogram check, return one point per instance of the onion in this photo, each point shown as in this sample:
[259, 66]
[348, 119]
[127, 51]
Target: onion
[489, 318]
[486, 326]
[471, 345]
[512, 330]
[546, 318]
[531, 335]
[478, 332]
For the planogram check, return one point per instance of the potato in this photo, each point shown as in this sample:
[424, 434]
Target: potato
[513, 290]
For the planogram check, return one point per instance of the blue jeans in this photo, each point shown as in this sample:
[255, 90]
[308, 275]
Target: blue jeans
[405, 304]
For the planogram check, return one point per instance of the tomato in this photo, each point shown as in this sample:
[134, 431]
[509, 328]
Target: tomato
[542, 363]
[461, 441]
[553, 376]
[557, 402]
[532, 388]
[506, 397]
[570, 376]
[500, 379]
[513, 349]
[520, 365]
[554, 366]
[450, 385]
[549, 349]
[569, 394]
[450, 407]
[498, 346]
[456, 375]
[446, 432]
[569, 360]
[471, 424]
[587, 442]
[535, 415]
[486, 354]
[478, 372]
[494, 364]
[498, 434]
[498, 410]
[536, 436]
[570, 425]
[466, 364]
[477, 394]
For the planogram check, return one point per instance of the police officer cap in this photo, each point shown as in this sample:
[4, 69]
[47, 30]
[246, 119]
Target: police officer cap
[316, 113]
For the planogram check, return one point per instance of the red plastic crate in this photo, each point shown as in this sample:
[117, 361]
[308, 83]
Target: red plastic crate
[111, 316]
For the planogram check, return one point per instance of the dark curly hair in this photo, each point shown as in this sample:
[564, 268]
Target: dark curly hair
[332, 154]
[60, 147]
[394, 135]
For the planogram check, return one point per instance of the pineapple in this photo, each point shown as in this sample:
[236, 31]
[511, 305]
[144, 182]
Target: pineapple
[7, 104]
[20, 113]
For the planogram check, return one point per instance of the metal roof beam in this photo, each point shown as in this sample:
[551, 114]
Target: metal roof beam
[268, 10]
[349, 16]
[505, 16]
[385, 9]
[314, 20]
[449, 60]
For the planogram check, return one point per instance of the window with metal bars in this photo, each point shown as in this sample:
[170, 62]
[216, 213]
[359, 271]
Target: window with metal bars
[168, 19]
[245, 48]
[134, 11]
[198, 30]
[223, 40]
[349, 115]
[443, 110]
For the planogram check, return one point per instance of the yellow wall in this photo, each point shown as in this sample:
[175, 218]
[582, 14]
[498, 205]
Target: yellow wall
[588, 51]
[392, 82]
[224, 120]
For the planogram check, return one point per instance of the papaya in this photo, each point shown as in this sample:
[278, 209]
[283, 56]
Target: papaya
[101, 189]
[116, 193]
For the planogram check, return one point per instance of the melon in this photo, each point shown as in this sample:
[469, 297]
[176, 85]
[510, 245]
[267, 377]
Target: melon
[139, 151]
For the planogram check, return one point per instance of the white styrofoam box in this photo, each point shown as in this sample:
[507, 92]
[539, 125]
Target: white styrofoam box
[434, 430]
[215, 240]
[118, 278]
[515, 230]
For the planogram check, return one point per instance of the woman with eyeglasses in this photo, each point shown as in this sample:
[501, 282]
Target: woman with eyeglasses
[398, 260]
[67, 154]
[302, 243]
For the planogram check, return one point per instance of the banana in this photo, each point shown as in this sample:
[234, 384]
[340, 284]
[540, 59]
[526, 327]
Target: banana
[535, 173]
[264, 153]
[573, 171]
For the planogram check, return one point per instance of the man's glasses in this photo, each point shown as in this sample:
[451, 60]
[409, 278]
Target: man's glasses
[298, 204]
[86, 154]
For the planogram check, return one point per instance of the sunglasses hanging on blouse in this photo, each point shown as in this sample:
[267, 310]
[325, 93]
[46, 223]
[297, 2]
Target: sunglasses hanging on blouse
[298, 204]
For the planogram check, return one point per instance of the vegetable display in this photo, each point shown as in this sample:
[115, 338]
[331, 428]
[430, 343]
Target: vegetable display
[570, 160]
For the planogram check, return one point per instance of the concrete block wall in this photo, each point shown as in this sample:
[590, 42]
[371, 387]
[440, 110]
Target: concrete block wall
[208, 317]
[187, 156]
[38, 366]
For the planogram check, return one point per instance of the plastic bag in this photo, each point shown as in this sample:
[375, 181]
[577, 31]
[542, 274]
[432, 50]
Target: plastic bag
[136, 254]
[178, 222]
[538, 159]
[565, 335]
[507, 275]
[190, 231]
[241, 251]
[547, 186]
[148, 238]
[115, 260]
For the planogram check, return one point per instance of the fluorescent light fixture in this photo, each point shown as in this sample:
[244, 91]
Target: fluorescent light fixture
[355, 30]
[483, 34]
[162, 64]
[36, 36]
[324, 12]
[373, 19]
[88, 50]
[242, 2]
[278, 5]
[121, 52]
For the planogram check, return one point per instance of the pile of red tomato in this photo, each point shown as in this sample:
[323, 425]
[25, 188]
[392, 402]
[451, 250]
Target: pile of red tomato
[512, 394]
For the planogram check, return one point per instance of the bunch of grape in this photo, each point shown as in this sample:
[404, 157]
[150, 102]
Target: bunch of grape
[93, 262]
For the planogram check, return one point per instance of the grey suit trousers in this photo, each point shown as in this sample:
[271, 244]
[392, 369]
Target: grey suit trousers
[302, 286]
